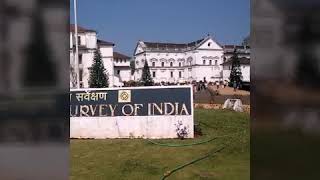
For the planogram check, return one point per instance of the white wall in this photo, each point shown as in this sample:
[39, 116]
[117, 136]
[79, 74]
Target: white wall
[107, 57]
[153, 127]
[106, 51]
[245, 69]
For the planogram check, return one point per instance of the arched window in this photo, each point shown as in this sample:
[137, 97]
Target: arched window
[153, 64]
[216, 62]
[210, 62]
[204, 62]
[171, 64]
[80, 59]
[162, 64]
[179, 64]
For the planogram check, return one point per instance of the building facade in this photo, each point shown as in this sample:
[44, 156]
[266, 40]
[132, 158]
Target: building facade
[87, 44]
[122, 70]
[244, 57]
[178, 63]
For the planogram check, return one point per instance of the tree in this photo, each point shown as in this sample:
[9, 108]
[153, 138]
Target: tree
[146, 78]
[132, 66]
[98, 73]
[235, 74]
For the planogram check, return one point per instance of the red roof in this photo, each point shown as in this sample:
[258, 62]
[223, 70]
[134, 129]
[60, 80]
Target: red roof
[104, 43]
[80, 29]
[117, 55]
[171, 45]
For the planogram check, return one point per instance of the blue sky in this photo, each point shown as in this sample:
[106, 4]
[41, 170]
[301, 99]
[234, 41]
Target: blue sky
[124, 22]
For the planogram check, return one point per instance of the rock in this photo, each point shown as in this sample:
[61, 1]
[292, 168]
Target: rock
[234, 104]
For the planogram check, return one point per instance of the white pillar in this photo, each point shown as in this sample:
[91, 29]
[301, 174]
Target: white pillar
[76, 38]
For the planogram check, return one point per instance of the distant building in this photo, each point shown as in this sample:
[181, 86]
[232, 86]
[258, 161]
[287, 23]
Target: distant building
[244, 57]
[177, 62]
[122, 70]
[87, 44]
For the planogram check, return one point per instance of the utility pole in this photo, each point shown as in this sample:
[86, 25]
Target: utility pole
[76, 39]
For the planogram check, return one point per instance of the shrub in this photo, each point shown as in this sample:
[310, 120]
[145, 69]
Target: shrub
[182, 131]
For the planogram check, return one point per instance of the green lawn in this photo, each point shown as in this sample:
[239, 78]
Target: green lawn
[139, 159]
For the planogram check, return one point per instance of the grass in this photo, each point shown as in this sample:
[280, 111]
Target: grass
[138, 159]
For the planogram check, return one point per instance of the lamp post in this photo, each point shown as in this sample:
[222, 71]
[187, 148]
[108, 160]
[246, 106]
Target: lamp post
[76, 39]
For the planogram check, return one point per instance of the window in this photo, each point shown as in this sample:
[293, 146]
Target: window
[80, 74]
[171, 74]
[179, 64]
[80, 59]
[118, 72]
[153, 74]
[121, 60]
[209, 44]
[204, 62]
[171, 64]
[79, 40]
[216, 62]
[210, 62]
[179, 74]
[162, 64]
[153, 64]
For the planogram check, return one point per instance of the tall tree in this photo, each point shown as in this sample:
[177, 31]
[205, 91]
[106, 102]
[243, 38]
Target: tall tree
[235, 74]
[132, 66]
[98, 73]
[146, 78]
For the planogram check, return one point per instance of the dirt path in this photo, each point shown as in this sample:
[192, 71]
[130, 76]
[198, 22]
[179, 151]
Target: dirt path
[228, 91]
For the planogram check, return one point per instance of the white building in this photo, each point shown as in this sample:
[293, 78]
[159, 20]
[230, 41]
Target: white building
[87, 44]
[173, 62]
[122, 70]
[244, 57]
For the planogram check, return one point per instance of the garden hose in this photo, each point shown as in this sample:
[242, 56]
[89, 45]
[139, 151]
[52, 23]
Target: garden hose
[168, 173]
[181, 145]
[191, 144]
